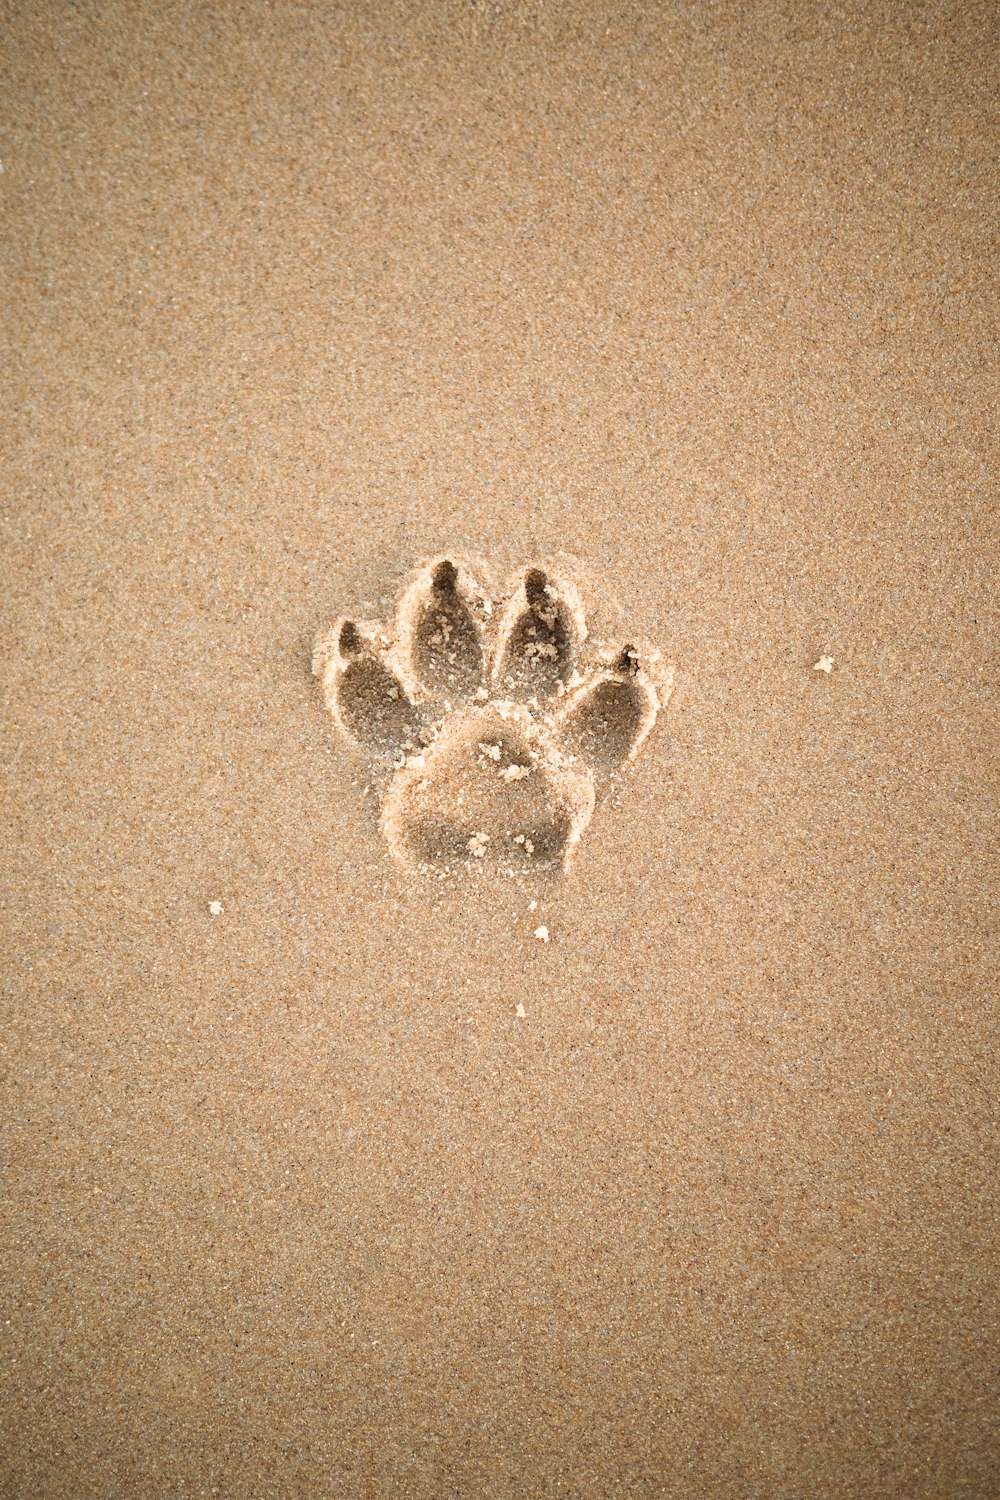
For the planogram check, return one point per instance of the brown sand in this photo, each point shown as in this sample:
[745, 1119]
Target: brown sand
[295, 1203]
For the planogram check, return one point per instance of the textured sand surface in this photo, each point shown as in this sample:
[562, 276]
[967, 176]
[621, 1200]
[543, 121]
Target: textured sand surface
[295, 1202]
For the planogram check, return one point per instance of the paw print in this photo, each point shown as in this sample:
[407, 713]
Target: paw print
[490, 727]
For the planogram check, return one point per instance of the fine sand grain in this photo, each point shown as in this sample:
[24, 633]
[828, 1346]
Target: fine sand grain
[671, 1174]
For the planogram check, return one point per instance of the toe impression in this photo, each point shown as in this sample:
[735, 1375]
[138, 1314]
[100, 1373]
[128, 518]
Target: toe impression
[606, 718]
[539, 634]
[364, 696]
[441, 635]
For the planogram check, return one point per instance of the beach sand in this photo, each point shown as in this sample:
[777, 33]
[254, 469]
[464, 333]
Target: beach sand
[350, 1185]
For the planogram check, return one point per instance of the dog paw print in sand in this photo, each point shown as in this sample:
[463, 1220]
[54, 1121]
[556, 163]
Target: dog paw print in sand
[491, 726]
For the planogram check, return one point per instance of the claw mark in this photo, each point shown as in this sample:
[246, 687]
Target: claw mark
[349, 640]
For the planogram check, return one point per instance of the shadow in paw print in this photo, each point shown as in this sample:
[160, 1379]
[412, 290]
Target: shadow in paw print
[538, 654]
[545, 843]
[430, 841]
[484, 796]
[448, 843]
[447, 650]
[371, 703]
[609, 720]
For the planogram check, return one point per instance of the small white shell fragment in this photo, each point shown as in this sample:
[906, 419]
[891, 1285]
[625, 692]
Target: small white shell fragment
[521, 1012]
[532, 905]
[825, 664]
[543, 933]
[215, 907]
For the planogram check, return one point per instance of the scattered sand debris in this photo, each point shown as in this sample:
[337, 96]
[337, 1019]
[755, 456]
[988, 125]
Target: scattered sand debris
[521, 1012]
[825, 664]
[493, 751]
[535, 651]
[215, 907]
[514, 772]
[542, 933]
[477, 844]
[529, 848]
[482, 694]
[532, 905]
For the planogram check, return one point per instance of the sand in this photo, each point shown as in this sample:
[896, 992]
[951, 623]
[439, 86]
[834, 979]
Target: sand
[325, 1179]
